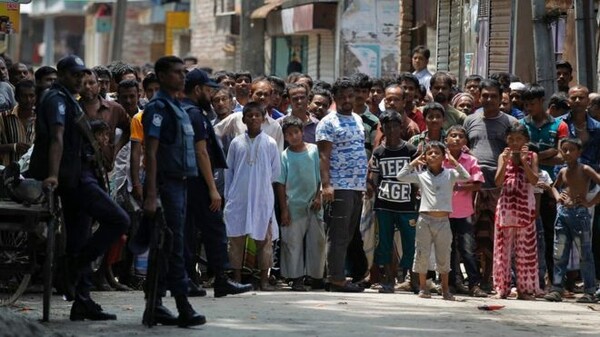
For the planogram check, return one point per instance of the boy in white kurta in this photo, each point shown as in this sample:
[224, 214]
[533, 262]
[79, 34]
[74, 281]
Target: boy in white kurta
[254, 164]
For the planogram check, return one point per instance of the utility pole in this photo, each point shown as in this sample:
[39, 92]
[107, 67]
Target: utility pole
[252, 39]
[543, 49]
[115, 51]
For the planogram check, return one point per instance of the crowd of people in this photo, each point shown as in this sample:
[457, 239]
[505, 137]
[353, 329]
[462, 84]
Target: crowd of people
[487, 187]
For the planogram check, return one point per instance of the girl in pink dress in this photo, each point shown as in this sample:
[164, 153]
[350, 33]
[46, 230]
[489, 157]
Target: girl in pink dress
[515, 232]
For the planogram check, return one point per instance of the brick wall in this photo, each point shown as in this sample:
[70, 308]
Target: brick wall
[138, 37]
[211, 41]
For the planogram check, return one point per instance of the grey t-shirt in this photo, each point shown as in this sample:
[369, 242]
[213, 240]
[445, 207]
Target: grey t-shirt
[487, 140]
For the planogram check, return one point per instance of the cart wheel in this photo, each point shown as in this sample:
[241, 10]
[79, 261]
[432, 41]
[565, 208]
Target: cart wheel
[15, 265]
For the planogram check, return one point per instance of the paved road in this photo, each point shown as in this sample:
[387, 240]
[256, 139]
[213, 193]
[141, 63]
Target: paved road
[284, 313]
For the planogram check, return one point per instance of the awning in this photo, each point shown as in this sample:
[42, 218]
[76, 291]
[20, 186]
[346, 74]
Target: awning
[264, 10]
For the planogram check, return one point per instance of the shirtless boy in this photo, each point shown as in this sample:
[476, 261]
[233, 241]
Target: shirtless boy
[573, 221]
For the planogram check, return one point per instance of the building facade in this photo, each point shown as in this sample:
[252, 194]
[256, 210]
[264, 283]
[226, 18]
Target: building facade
[483, 36]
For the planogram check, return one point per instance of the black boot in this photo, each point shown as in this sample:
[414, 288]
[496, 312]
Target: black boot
[195, 290]
[87, 309]
[162, 315]
[187, 315]
[225, 286]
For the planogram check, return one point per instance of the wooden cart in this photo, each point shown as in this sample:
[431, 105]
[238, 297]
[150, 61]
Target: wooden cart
[20, 229]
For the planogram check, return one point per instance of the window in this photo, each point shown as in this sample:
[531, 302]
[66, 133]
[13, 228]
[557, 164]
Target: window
[225, 7]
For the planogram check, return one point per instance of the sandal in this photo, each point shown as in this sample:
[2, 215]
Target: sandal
[386, 289]
[298, 285]
[476, 291]
[267, 287]
[424, 294]
[348, 287]
[448, 297]
[525, 297]
[553, 296]
[587, 298]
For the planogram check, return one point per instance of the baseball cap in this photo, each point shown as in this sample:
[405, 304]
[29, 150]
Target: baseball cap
[199, 77]
[72, 64]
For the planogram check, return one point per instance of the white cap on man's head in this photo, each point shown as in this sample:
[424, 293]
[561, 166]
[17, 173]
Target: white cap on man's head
[517, 86]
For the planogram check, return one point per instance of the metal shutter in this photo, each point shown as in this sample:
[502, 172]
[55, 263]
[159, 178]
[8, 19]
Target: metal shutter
[500, 30]
[443, 35]
[455, 41]
[321, 56]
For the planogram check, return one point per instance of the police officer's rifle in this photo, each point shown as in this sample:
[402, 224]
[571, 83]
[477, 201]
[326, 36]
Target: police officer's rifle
[160, 246]
[98, 161]
[83, 123]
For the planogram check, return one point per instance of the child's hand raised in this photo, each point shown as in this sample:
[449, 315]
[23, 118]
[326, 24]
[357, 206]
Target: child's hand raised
[506, 154]
[420, 160]
[451, 158]
[524, 153]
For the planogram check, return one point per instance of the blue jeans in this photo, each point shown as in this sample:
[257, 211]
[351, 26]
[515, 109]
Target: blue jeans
[173, 195]
[463, 245]
[573, 227]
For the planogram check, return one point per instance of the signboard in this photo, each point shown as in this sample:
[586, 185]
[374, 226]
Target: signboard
[23, 2]
[9, 17]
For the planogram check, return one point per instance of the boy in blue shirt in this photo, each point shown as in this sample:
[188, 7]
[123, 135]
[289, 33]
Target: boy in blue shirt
[299, 193]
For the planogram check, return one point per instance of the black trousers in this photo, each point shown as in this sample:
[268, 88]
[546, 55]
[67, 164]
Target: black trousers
[199, 218]
[80, 205]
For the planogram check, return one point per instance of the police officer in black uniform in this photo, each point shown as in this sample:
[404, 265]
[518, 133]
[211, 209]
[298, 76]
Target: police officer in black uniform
[204, 209]
[170, 160]
[63, 157]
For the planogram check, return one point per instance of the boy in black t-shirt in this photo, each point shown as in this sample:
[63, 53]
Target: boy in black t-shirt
[395, 202]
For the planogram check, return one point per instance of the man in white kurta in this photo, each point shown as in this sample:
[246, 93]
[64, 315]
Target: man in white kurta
[254, 164]
[232, 126]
